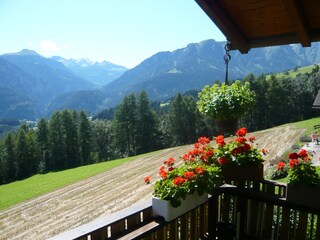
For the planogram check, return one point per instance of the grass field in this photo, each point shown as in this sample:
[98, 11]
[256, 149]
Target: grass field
[19, 191]
[292, 73]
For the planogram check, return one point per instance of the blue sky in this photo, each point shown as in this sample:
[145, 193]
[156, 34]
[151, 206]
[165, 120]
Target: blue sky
[123, 32]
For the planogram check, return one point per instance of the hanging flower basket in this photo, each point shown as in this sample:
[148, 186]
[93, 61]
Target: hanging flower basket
[226, 126]
[165, 209]
[303, 194]
[242, 173]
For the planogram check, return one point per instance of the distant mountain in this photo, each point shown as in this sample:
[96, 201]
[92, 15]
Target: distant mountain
[99, 73]
[36, 85]
[168, 73]
[50, 78]
[37, 79]
[89, 100]
[16, 106]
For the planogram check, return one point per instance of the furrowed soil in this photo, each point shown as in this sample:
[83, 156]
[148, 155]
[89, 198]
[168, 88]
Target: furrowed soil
[110, 191]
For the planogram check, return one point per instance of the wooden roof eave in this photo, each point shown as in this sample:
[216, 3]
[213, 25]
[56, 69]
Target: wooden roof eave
[300, 31]
[299, 21]
[225, 24]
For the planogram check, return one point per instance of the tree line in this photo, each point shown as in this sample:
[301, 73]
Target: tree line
[70, 139]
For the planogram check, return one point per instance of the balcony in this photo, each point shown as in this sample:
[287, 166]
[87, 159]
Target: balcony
[250, 210]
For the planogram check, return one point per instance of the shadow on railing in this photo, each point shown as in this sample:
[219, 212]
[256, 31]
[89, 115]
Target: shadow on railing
[253, 210]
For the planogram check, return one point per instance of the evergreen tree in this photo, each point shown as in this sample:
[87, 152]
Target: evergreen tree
[32, 156]
[182, 118]
[258, 117]
[125, 125]
[42, 142]
[85, 139]
[147, 121]
[10, 158]
[102, 135]
[22, 154]
[71, 139]
[57, 153]
[3, 164]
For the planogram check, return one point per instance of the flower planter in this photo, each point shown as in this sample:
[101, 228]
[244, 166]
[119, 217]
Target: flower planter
[305, 195]
[242, 173]
[226, 126]
[164, 208]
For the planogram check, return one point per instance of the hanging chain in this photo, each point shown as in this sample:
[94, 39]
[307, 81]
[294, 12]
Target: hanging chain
[227, 58]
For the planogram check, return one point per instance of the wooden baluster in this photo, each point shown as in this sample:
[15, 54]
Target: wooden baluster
[193, 224]
[202, 220]
[99, 234]
[117, 227]
[184, 227]
[285, 224]
[173, 230]
[318, 227]
[302, 226]
[133, 220]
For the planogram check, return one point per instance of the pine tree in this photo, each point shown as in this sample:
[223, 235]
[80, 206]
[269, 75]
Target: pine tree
[102, 138]
[85, 139]
[182, 118]
[71, 139]
[32, 156]
[125, 125]
[22, 154]
[147, 121]
[57, 153]
[42, 142]
[10, 158]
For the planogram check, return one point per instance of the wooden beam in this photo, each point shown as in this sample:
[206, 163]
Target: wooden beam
[219, 16]
[299, 21]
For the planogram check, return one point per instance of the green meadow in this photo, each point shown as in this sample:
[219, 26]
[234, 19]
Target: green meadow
[19, 191]
[293, 73]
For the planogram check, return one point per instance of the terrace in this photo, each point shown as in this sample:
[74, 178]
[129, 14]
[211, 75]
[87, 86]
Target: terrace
[248, 209]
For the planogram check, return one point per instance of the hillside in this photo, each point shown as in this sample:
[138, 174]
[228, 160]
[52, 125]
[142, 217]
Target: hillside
[108, 192]
[166, 74]
[45, 85]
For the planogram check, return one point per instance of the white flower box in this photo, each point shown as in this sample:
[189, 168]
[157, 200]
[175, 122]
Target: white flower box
[164, 208]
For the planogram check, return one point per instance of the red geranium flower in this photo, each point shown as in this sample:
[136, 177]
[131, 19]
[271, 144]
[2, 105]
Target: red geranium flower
[162, 172]
[252, 138]
[200, 170]
[241, 139]
[223, 160]
[203, 140]
[178, 181]
[147, 179]
[197, 145]
[264, 151]
[293, 156]
[237, 150]
[246, 147]
[220, 140]
[280, 166]
[293, 162]
[241, 132]
[189, 175]
[169, 162]
[303, 153]
[185, 156]
[170, 169]
[209, 153]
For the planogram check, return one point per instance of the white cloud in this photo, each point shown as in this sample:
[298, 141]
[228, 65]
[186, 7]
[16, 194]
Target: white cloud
[50, 46]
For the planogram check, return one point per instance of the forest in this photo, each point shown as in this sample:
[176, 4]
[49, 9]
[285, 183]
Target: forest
[137, 125]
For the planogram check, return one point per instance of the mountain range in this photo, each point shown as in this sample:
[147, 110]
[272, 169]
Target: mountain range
[32, 86]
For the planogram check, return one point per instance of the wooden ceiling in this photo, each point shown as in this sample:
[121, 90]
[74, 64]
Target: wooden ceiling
[259, 23]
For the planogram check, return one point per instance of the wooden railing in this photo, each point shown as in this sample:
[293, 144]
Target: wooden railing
[252, 210]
